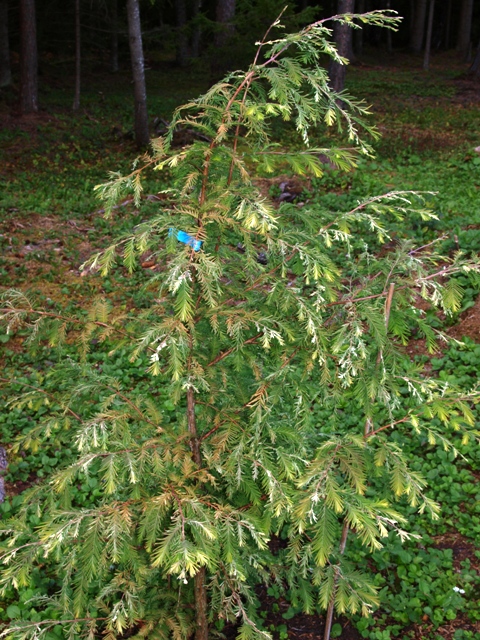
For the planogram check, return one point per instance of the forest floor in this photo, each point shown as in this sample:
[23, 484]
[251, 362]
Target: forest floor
[50, 221]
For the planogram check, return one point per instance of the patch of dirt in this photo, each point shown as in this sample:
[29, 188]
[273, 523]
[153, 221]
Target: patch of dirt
[300, 627]
[462, 548]
[18, 487]
[468, 325]
[447, 631]
[468, 89]
[35, 246]
[422, 139]
[417, 348]
[283, 188]
[26, 130]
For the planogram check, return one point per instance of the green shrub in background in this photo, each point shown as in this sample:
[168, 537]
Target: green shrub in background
[277, 378]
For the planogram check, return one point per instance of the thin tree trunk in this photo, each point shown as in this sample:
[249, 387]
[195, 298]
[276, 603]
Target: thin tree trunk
[358, 35]
[192, 428]
[448, 23]
[28, 58]
[225, 15]
[201, 604]
[142, 136]
[197, 32]
[428, 42]
[475, 66]
[343, 41]
[418, 26]
[78, 59]
[182, 40]
[200, 581]
[389, 31]
[331, 604]
[114, 37]
[465, 27]
[5, 68]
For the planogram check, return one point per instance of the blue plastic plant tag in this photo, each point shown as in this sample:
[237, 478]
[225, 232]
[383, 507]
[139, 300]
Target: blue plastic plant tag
[183, 236]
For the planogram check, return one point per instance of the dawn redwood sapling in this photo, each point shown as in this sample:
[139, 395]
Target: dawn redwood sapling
[248, 351]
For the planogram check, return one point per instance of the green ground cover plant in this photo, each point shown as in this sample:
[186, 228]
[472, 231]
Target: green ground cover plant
[136, 432]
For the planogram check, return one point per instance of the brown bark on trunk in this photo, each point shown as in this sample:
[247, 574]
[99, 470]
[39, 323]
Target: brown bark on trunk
[28, 58]
[78, 59]
[418, 30]
[200, 580]
[465, 27]
[343, 40]
[389, 31]
[475, 66]
[142, 136]
[5, 69]
[201, 604]
[182, 40]
[331, 604]
[197, 32]
[358, 35]
[428, 41]
[448, 23]
[192, 428]
[225, 15]
[114, 37]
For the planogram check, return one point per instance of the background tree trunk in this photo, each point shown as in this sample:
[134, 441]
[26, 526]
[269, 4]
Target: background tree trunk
[28, 58]
[182, 39]
[448, 23]
[5, 69]
[358, 35]
[465, 27]
[142, 136]
[418, 30]
[428, 41]
[343, 40]
[114, 37]
[475, 66]
[197, 32]
[388, 5]
[225, 15]
[78, 59]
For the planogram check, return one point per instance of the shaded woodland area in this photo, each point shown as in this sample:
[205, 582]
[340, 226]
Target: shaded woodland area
[239, 372]
[38, 34]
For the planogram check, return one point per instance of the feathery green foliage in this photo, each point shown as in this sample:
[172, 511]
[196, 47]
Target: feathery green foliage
[261, 315]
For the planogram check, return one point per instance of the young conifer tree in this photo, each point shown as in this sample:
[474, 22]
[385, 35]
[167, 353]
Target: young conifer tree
[264, 320]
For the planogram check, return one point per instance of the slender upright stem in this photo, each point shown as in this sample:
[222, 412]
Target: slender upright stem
[28, 58]
[428, 41]
[200, 580]
[201, 604]
[331, 604]
[388, 306]
[388, 303]
[192, 427]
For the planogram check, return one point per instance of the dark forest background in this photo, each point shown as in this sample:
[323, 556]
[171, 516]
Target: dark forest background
[38, 37]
